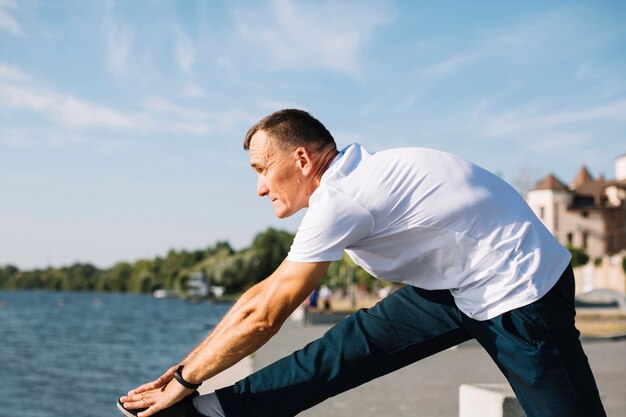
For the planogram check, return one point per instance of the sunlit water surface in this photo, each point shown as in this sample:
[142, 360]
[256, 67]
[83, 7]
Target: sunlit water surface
[73, 354]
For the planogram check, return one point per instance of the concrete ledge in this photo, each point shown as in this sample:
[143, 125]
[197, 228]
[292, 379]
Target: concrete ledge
[488, 400]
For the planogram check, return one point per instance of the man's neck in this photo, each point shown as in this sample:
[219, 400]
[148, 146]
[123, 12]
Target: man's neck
[324, 160]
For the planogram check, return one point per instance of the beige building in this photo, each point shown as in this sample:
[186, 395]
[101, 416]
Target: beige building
[589, 213]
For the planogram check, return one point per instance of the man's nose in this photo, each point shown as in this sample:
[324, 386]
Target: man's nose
[261, 187]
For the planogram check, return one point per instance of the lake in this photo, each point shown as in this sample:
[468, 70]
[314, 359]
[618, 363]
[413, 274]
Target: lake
[72, 354]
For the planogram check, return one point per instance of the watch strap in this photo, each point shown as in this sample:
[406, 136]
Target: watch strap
[178, 375]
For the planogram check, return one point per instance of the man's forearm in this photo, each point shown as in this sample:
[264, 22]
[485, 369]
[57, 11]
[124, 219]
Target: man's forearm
[241, 332]
[247, 297]
[254, 319]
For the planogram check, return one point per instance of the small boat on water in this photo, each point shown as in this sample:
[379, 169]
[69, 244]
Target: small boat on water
[163, 293]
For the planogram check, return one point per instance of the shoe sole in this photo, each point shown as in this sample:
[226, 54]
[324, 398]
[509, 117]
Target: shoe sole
[126, 412]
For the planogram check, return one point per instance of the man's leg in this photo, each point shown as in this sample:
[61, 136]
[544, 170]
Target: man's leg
[407, 326]
[537, 347]
[208, 405]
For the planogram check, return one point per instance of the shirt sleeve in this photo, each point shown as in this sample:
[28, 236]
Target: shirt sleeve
[332, 223]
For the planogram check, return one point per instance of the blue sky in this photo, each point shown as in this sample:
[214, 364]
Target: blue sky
[121, 122]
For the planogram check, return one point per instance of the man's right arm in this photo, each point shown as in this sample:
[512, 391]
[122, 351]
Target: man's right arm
[252, 321]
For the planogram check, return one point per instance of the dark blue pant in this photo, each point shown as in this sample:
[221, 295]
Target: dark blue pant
[537, 348]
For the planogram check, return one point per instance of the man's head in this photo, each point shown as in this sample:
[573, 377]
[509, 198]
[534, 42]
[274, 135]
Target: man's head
[289, 150]
[291, 128]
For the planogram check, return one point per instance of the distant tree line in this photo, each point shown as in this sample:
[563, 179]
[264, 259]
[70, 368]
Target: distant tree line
[220, 263]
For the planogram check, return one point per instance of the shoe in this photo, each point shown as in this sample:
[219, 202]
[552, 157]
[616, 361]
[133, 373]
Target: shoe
[128, 413]
[183, 408]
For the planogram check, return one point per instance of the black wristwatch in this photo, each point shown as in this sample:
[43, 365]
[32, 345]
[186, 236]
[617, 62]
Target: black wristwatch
[178, 375]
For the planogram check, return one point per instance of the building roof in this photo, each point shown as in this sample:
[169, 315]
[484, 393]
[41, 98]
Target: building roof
[582, 177]
[586, 192]
[592, 188]
[551, 182]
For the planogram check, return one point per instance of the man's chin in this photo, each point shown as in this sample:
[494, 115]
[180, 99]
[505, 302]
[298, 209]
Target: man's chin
[282, 214]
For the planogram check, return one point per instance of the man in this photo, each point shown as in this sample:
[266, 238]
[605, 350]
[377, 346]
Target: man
[476, 261]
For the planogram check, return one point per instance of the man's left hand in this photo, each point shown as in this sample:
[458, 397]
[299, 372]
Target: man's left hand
[157, 399]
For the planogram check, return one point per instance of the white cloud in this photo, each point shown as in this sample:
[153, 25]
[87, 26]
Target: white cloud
[584, 72]
[68, 111]
[612, 87]
[533, 119]
[189, 128]
[550, 141]
[119, 42]
[162, 105]
[185, 52]
[224, 62]
[606, 85]
[59, 138]
[539, 125]
[8, 23]
[519, 43]
[549, 37]
[31, 136]
[327, 35]
[10, 73]
[74, 114]
[450, 65]
[542, 38]
[16, 139]
[108, 148]
[192, 90]
[175, 118]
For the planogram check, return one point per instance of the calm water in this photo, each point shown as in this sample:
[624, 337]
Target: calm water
[73, 354]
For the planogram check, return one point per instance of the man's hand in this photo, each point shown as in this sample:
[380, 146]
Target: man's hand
[160, 382]
[156, 395]
[156, 399]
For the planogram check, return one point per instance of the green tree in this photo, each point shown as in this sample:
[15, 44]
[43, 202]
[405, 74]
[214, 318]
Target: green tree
[344, 271]
[269, 249]
[116, 278]
[142, 278]
[235, 270]
[579, 256]
[82, 277]
[221, 247]
[7, 276]
[240, 272]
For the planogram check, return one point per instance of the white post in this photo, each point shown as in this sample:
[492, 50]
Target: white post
[488, 400]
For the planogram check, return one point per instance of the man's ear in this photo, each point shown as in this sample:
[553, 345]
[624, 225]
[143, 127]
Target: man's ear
[303, 160]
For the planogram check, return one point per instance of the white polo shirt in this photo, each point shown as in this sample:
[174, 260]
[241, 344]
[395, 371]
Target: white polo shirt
[435, 221]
